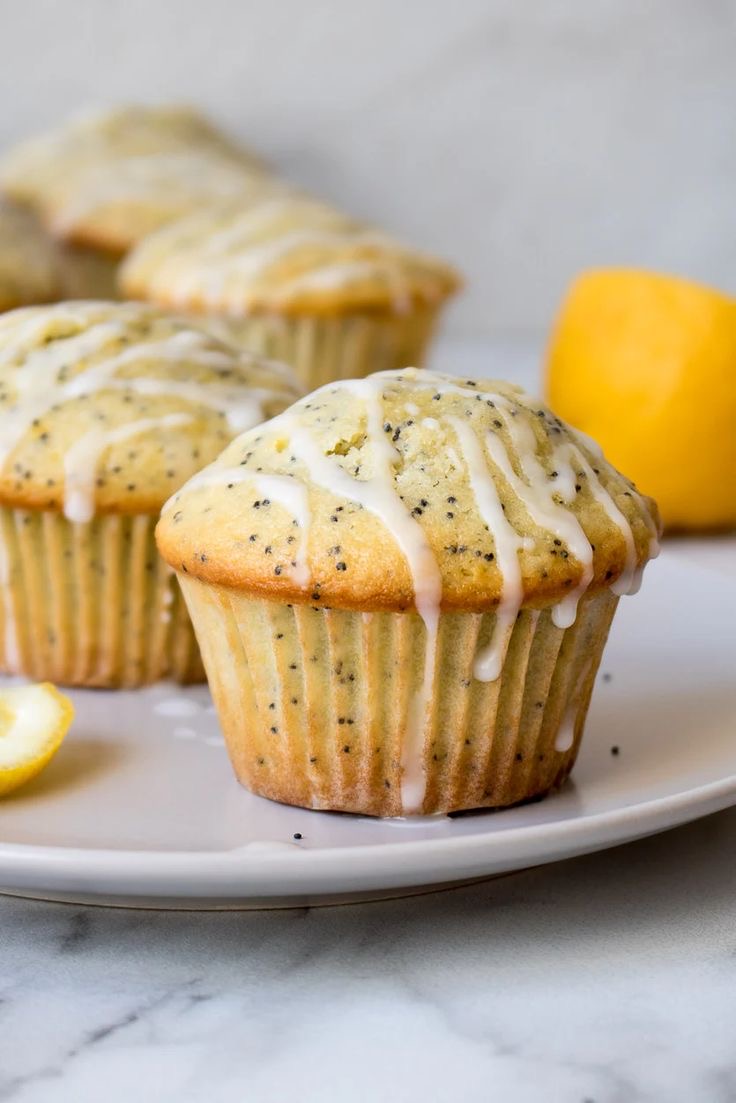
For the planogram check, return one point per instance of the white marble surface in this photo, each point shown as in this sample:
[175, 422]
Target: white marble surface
[522, 140]
[609, 978]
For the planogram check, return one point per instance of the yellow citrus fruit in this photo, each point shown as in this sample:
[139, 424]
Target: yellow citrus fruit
[33, 722]
[646, 364]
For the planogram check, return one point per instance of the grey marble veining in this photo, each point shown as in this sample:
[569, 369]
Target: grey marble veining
[610, 978]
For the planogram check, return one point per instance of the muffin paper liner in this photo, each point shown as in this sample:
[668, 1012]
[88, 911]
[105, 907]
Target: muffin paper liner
[315, 703]
[324, 349]
[90, 604]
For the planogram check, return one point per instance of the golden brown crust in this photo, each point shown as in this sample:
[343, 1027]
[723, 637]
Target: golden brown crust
[236, 535]
[282, 253]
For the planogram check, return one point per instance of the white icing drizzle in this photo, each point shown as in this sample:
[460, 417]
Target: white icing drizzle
[82, 460]
[289, 492]
[536, 492]
[200, 259]
[654, 545]
[188, 175]
[37, 386]
[627, 582]
[250, 260]
[543, 496]
[292, 494]
[378, 494]
[333, 276]
[247, 224]
[566, 733]
[489, 660]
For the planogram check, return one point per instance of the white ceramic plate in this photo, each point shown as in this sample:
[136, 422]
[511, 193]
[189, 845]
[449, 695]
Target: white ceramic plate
[140, 806]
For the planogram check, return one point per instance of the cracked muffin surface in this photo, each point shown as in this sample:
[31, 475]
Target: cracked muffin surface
[471, 464]
[124, 394]
[402, 587]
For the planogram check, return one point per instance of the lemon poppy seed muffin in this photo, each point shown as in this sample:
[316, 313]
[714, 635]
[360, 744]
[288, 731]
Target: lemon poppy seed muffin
[30, 268]
[402, 587]
[296, 279]
[105, 409]
[108, 178]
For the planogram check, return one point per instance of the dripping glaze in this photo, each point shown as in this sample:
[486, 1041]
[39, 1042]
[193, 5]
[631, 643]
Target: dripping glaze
[38, 389]
[486, 458]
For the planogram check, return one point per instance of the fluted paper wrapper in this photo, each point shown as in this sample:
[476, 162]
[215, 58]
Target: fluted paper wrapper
[323, 349]
[90, 604]
[315, 704]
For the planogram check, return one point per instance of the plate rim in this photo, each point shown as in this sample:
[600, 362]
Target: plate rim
[284, 870]
[257, 870]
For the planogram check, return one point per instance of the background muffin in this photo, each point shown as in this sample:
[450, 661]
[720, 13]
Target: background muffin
[296, 279]
[402, 587]
[109, 178]
[30, 267]
[105, 409]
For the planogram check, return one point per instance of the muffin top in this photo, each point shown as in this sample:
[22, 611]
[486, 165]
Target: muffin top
[109, 407]
[285, 253]
[413, 490]
[110, 178]
[30, 270]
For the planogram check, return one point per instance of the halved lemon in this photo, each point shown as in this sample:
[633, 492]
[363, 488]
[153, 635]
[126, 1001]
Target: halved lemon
[33, 722]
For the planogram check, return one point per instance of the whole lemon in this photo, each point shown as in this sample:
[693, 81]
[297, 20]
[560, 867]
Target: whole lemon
[646, 365]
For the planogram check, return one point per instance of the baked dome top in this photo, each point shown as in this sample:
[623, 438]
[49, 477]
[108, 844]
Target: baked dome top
[413, 490]
[109, 407]
[285, 253]
[109, 178]
[30, 270]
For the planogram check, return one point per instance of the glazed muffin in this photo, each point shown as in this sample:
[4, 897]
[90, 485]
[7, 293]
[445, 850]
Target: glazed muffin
[30, 269]
[295, 279]
[105, 409]
[402, 587]
[107, 179]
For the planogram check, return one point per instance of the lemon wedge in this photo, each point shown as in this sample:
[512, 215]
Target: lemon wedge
[33, 722]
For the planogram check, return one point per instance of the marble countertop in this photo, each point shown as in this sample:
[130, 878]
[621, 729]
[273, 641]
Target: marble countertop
[608, 978]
